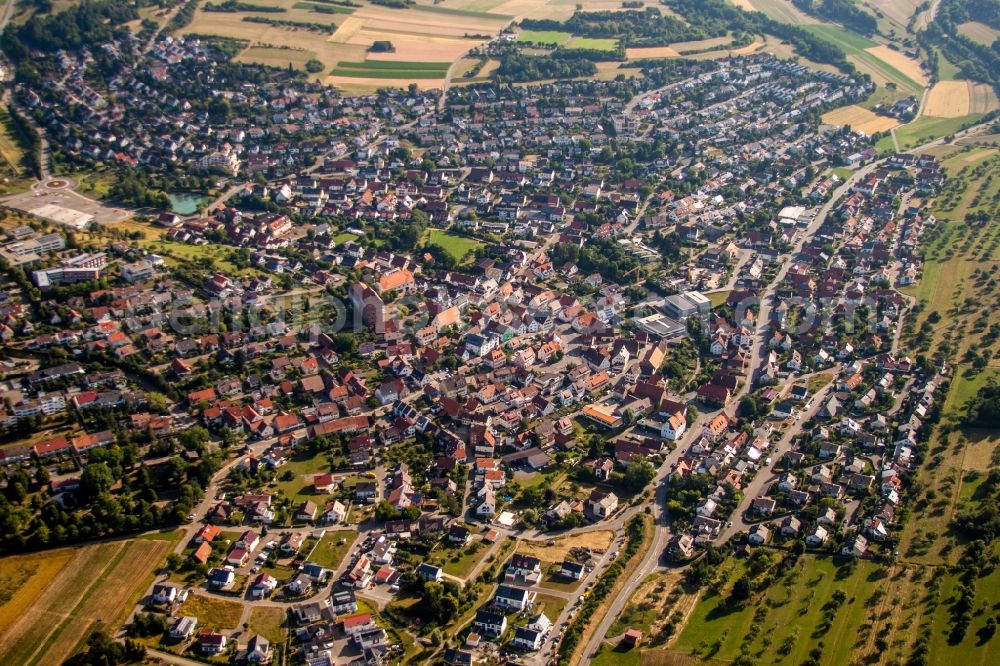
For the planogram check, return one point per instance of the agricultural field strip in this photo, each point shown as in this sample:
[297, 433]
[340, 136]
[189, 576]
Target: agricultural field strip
[394, 74]
[49, 566]
[948, 99]
[857, 49]
[979, 32]
[32, 631]
[435, 9]
[103, 598]
[392, 69]
[394, 64]
[860, 119]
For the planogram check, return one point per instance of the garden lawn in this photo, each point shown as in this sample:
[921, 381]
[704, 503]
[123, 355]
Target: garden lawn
[614, 656]
[269, 622]
[468, 557]
[456, 246]
[214, 256]
[718, 298]
[211, 612]
[551, 605]
[300, 488]
[329, 552]
[842, 173]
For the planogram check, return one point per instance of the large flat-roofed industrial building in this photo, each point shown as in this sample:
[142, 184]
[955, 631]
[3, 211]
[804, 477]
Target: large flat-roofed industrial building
[661, 326]
[686, 304]
[77, 269]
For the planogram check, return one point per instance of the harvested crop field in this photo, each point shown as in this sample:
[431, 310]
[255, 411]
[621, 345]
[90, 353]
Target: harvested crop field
[860, 119]
[899, 10]
[423, 22]
[608, 71]
[559, 10]
[982, 98]
[327, 51]
[90, 587]
[948, 99]
[273, 57]
[895, 14]
[954, 99]
[903, 63]
[752, 47]
[22, 580]
[786, 51]
[979, 32]
[432, 49]
[424, 34]
[781, 10]
[560, 548]
[744, 5]
[465, 65]
[347, 29]
[651, 52]
[598, 44]
[701, 44]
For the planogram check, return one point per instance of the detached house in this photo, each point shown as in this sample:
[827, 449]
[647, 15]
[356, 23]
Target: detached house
[514, 598]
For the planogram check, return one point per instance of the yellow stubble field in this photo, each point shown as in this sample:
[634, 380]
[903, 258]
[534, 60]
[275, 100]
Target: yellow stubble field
[859, 119]
[903, 63]
[62, 595]
[955, 99]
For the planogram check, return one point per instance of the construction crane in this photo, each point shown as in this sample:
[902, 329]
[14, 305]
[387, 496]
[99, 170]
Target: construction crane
[637, 270]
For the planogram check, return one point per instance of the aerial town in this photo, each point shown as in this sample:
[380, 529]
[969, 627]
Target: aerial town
[663, 368]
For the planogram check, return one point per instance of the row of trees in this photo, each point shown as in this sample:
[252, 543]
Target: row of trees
[643, 27]
[233, 6]
[28, 137]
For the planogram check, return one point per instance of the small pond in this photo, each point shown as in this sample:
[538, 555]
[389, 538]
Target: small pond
[186, 203]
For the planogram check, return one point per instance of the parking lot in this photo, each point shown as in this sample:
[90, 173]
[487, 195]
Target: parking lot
[56, 202]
